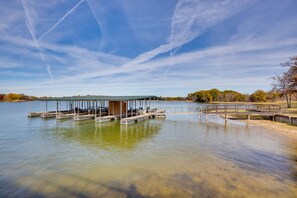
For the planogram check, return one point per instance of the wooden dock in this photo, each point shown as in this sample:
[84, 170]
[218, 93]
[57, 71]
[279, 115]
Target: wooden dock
[62, 116]
[239, 110]
[105, 118]
[138, 118]
[48, 115]
[34, 114]
[159, 113]
[83, 117]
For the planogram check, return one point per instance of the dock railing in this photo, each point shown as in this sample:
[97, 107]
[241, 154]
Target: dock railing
[241, 109]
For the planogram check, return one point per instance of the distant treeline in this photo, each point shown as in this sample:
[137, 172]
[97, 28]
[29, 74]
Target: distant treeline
[174, 98]
[215, 95]
[15, 97]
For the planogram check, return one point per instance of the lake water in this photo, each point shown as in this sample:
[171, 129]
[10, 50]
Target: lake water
[176, 157]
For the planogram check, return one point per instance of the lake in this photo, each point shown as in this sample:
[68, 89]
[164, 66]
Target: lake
[179, 156]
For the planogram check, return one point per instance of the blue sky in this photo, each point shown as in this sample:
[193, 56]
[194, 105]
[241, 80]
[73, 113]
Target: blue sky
[131, 47]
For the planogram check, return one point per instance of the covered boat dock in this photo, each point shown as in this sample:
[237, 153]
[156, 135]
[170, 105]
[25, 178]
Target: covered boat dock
[129, 109]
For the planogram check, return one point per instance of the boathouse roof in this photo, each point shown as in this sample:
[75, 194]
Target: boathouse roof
[100, 98]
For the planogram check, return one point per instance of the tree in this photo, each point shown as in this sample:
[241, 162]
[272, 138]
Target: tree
[283, 85]
[215, 94]
[238, 97]
[272, 95]
[286, 84]
[291, 74]
[202, 96]
[258, 96]
[228, 95]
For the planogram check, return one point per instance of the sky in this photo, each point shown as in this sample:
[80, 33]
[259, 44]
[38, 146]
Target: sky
[143, 47]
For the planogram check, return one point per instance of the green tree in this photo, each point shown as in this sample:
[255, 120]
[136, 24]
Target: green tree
[203, 96]
[215, 94]
[258, 96]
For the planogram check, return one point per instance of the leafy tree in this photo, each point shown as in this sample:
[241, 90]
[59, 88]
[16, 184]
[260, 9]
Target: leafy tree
[238, 97]
[215, 94]
[203, 96]
[228, 95]
[273, 95]
[258, 96]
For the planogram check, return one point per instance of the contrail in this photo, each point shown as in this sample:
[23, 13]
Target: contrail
[56, 24]
[191, 18]
[91, 6]
[30, 27]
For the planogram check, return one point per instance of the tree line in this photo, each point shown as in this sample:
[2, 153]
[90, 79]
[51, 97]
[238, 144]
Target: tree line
[15, 97]
[215, 95]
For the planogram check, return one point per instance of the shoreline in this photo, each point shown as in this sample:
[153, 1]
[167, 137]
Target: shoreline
[275, 127]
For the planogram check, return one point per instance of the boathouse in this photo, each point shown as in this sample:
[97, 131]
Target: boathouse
[129, 109]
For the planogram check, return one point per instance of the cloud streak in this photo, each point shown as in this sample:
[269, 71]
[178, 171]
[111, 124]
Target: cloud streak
[31, 29]
[60, 20]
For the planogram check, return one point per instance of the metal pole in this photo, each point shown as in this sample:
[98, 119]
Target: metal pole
[57, 108]
[120, 109]
[100, 108]
[95, 109]
[126, 109]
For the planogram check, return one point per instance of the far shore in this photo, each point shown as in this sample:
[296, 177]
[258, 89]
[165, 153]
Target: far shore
[17, 101]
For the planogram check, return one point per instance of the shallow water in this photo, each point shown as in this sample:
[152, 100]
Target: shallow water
[176, 157]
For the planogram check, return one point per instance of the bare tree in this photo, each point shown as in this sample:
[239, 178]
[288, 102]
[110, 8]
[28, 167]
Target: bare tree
[292, 72]
[282, 84]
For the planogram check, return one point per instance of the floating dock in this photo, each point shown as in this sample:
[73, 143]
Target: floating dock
[48, 115]
[135, 119]
[34, 114]
[62, 116]
[105, 118]
[83, 117]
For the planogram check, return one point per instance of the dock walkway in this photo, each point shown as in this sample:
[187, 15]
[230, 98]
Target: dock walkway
[105, 118]
[83, 117]
[135, 119]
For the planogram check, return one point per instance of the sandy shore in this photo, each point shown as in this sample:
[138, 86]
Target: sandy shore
[275, 127]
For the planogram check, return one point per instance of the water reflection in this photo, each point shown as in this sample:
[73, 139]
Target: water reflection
[109, 135]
